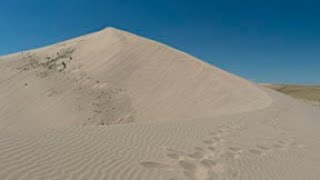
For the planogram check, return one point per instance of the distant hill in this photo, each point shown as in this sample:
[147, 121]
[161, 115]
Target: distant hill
[310, 94]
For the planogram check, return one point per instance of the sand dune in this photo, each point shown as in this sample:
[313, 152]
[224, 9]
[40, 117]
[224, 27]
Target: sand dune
[115, 77]
[113, 105]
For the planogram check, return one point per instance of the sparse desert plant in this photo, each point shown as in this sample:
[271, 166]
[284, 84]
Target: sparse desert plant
[46, 66]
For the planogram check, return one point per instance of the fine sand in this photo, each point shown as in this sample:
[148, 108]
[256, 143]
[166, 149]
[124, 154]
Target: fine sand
[113, 105]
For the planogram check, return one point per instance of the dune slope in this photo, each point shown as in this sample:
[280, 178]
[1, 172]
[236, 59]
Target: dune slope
[112, 77]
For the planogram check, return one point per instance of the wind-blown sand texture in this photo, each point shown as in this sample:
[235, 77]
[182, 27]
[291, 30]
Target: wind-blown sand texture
[113, 105]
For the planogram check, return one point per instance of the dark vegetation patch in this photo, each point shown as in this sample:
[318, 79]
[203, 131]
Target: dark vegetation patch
[105, 104]
[111, 107]
[47, 65]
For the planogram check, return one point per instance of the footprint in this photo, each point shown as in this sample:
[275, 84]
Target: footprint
[153, 164]
[211, 148]
[175, 151]
[255, 151]
[196, 155]
[235, 175]
[217, 139]
[214, 133]
[208, 142]
[173, 179]
[296, 145]
[173, 155]
[235, 149]
[187, 165]
[229, 156]
[210, 157]
[212, 175]
[198, 149]
[208, 163]
[278, 146]
[262, 147]
[281, 142]
[232, 172]
[189, 174]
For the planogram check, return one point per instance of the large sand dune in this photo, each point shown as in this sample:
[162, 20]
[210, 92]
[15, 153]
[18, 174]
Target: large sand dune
[113, 105]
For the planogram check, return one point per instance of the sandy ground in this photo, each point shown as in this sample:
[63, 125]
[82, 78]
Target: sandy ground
[112, 105]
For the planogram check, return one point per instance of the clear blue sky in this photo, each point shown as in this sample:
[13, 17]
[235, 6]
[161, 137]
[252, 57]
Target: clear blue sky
[264, 41]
